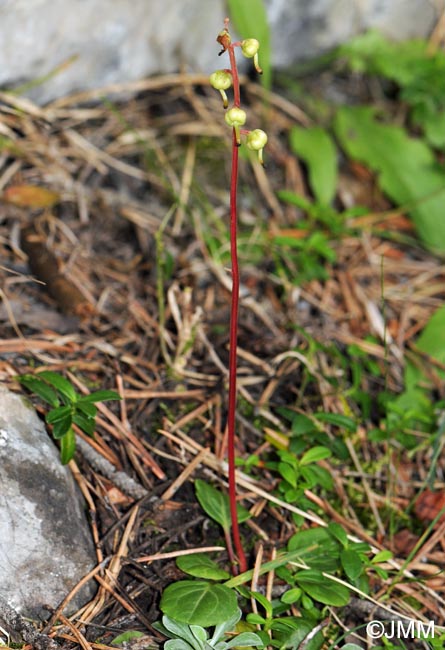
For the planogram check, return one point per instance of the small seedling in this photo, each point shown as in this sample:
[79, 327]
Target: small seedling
[68, 408]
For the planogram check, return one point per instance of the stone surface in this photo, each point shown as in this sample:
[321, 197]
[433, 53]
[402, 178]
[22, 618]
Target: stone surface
[119, 41]
[45, 542]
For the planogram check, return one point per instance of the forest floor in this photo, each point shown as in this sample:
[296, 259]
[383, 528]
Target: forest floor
[118, 278]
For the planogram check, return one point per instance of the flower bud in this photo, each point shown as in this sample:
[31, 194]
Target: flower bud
[221, 80]
[250, 47]
[236, 117]
[256, 141]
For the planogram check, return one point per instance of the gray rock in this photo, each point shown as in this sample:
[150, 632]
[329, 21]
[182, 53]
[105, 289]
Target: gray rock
[45, 541]
[120, 41]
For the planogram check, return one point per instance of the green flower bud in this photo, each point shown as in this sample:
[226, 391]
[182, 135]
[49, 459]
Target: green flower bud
[256, 141]
[250, 47]
[221, 80]
[236, 117]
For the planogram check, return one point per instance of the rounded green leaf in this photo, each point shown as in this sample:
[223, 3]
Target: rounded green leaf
[200, 565]
[216, 504]
[322, 589]
[315, 454]
[316, 147]
[198, 602]
[351, 563]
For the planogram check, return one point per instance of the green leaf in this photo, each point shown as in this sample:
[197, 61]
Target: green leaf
[127, 636]
[244, 640]
[62, 385]
[87, 408]
[178, 644]
[40, 388]
[250, 20]
[67, 447]
[322, 589]
[338, 420]
[62, 419]
[216, 504]
[88, 425]
[319, 549]
[352, 563]
[315, 454]
[339, 533]
[100, 396]
[382, 556]
[198, 602]
[406, 167]
[432, 342]
[200, 565]
[291, 596]
[316, 147]
[175, 628]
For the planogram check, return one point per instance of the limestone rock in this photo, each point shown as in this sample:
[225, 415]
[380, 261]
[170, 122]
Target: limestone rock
[45, 542]
[116, 41]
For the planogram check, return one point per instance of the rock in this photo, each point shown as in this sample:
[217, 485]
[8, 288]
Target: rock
[45, 541]
[114, 41]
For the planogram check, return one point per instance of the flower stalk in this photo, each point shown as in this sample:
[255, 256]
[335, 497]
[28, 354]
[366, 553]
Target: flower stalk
[235, 117]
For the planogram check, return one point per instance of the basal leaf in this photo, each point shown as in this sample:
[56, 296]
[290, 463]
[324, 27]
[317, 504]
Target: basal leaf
[432, 342]
[127, 636]
[316, 148]
[62, 385]
[406, 167]
[100, 396]
[315, 454]
[40, 388]
[87, 424]
[322, 589]
[250, 20]
[216, 504]
[62, 419]
[338, 420]
[67, 447]
[197, 602]
[200, 565]
[351, 563]
[319, 550]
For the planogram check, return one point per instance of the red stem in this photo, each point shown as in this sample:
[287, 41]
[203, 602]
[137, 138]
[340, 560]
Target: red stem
[234, 330]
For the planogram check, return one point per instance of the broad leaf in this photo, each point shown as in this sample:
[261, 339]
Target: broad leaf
[216, 504]
[200, 565]
[198, 602]
[316, 148]
[40, 388]
[432, 342]
[319, 550]
[62, 385]
[88, 425]
[406, 167]
[322, 589]
[351, 563]
[62, 419]
[315, 454]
